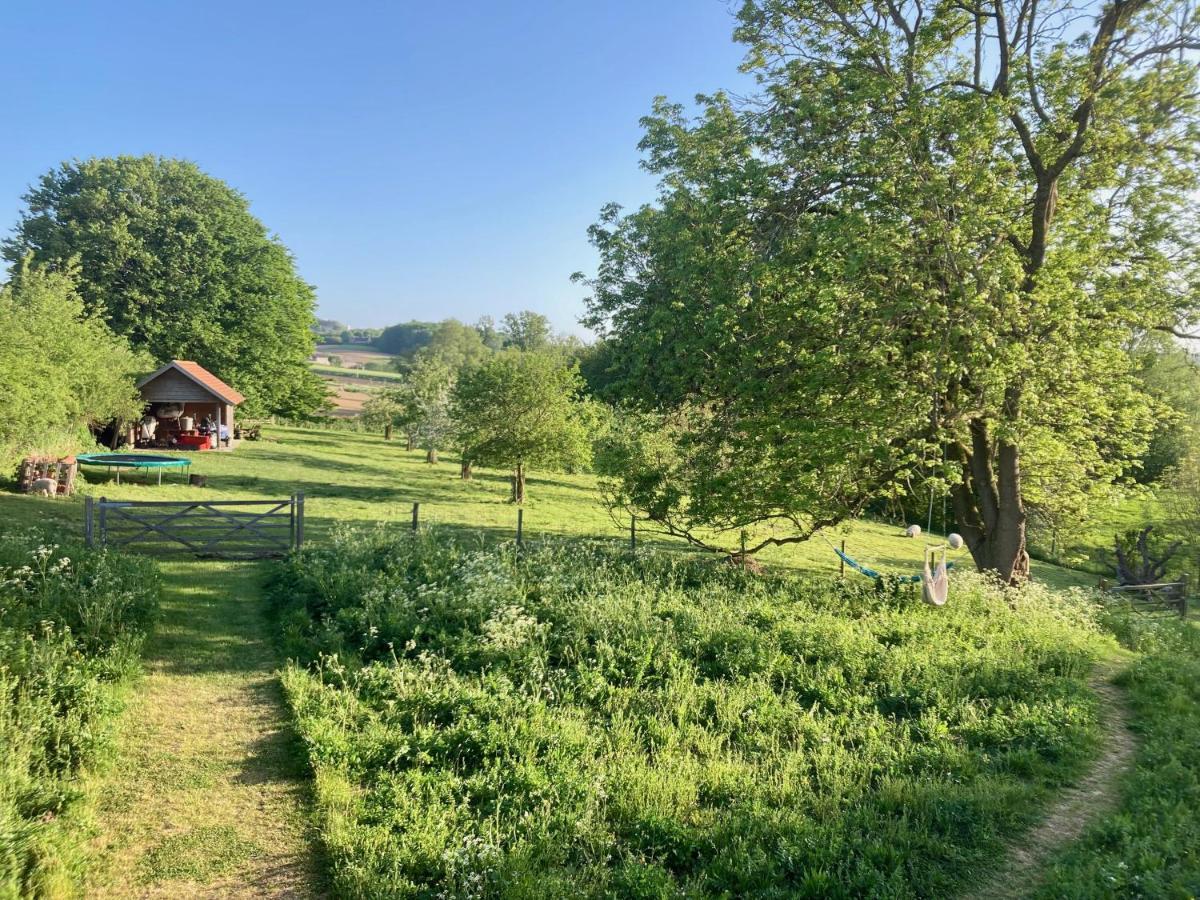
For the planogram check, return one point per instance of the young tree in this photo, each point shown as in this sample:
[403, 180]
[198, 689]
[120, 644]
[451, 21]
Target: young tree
[427, 393]
[520, 410]
[173, 260]
[386, 410]
[61, 368]
[923, 248]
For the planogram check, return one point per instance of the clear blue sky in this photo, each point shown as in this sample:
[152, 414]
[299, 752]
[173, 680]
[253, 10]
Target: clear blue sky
[421, 160]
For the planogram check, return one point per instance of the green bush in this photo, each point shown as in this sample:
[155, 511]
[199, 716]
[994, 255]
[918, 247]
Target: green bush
[72, 622]
[571, 721]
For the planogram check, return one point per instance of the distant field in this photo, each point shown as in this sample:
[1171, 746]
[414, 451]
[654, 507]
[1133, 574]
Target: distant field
[354, 353]
[359, 374]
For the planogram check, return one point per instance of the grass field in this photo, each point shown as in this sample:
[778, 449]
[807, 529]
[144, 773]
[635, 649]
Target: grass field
[357, 477]
[212, 799]
[583, 723]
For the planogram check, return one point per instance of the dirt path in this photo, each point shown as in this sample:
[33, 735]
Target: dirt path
[1078, 807]
[209, 798]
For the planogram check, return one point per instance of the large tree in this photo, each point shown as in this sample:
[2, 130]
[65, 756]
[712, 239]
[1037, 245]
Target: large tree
[520, 410]
[173, 259]
[922, 249]
[61, 369]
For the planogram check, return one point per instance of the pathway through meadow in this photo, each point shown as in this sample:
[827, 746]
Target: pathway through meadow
[210, 794]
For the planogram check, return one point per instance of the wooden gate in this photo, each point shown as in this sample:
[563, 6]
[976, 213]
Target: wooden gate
[226, 529]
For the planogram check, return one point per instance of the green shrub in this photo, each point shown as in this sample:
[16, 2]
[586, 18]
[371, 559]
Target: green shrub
[71, 626]
[571, 721]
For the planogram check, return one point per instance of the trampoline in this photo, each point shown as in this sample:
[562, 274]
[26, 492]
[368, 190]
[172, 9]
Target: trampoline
[119, 461]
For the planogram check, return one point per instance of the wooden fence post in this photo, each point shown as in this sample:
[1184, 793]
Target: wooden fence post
[520, 526]
[416, 516]
[89, 512]
[633, 533]
[299, 504]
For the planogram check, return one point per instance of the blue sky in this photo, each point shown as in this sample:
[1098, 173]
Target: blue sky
[420, 160]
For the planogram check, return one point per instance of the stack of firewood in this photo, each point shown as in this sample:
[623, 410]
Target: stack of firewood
[61, 471]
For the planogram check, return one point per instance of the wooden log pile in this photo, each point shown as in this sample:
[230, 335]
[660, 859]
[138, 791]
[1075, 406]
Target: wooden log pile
[61, 471]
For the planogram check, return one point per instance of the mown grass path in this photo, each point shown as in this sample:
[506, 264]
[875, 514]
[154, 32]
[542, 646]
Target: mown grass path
[209, 796]
[1077, 808]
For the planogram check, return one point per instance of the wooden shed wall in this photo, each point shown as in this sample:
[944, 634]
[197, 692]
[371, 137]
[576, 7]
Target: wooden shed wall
[174, 387]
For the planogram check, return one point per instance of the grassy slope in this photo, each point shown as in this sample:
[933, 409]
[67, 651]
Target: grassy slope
[356, 477]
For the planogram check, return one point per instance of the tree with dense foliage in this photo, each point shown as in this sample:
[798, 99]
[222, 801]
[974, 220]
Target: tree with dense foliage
[1169, 374]
[527, 330]
[491, 336]
[457, 346]
[923, 248]
[519, 410]
[406, 338]
[173, 260]
[62, 369]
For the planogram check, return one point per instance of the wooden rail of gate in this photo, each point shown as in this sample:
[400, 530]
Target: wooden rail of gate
[226, 529]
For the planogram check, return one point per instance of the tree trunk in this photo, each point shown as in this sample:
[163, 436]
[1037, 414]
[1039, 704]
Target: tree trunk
[387, 432]
[988, 504]
[518, 484]
[465, 469]
[409, 442]
[431, 456]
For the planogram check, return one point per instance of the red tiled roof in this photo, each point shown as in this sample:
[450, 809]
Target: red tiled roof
[201, 376]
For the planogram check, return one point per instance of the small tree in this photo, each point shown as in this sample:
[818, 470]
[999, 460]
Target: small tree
[521, 409]
[386, 410]
[427, 396]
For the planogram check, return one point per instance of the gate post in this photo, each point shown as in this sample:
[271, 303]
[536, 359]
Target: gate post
[298, 512]
[89, 514]
[103, 522]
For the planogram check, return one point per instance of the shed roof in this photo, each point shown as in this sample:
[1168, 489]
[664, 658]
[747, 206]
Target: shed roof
[200, 376]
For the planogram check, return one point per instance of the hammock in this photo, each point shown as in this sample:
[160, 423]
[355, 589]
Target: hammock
[935, 586]
[871, 573]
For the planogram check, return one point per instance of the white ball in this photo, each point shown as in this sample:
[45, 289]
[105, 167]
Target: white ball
[955, 541]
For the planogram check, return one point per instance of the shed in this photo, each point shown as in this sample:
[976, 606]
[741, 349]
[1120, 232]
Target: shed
[181, 397]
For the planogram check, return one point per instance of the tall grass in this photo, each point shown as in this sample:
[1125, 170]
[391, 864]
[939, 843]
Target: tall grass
[71, 625]
[573, 722]
[1150, 846]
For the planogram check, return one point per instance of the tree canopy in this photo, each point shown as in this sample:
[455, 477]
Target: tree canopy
[922, 248]
[61, 368]
[172, 259]
[521, 410]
